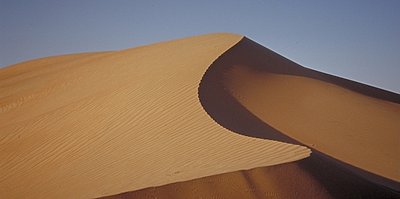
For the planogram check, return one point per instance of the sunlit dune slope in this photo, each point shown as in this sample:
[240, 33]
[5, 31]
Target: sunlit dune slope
[96, 124]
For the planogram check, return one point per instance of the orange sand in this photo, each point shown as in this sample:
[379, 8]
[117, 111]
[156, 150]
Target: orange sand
[99, 124]
[84, 126]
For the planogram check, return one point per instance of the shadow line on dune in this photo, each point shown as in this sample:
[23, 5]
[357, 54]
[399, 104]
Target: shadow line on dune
[339, 178]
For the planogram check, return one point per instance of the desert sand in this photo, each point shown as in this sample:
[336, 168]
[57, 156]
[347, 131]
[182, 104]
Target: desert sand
[90, 125]
[211, 116]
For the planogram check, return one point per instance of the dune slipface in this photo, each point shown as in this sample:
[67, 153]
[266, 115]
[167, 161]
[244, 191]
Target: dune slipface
[351, 122]
[96, 124]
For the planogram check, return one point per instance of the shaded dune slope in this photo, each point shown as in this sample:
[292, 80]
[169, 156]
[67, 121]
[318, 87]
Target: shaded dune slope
[352, 127]
[96, 124]
[256, 92]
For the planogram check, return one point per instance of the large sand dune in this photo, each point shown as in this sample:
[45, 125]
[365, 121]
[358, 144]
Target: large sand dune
[97, 124]
[89, 125]
[353, 128]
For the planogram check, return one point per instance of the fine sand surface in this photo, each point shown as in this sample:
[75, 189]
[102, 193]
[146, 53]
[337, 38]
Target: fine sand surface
[199, 117]
[98, 124]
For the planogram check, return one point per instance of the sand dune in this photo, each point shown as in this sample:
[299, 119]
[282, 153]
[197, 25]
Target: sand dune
[96, 124]
[198, 110]
[352, 127]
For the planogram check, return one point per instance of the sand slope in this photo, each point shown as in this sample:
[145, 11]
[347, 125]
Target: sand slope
[96, 124]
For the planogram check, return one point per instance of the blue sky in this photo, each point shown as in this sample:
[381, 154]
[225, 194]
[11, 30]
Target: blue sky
[359, 40]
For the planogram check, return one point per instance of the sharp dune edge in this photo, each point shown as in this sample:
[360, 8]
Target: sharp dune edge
[98, 124]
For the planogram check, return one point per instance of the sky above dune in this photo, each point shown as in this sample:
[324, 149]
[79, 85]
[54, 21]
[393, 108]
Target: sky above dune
[358, 40]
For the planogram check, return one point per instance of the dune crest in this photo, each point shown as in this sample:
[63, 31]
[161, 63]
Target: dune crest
[97, 124]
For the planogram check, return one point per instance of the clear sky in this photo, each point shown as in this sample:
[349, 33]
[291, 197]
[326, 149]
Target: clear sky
[359, 40]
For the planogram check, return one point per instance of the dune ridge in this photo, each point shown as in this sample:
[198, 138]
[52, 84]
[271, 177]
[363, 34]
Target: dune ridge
[96, 124]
